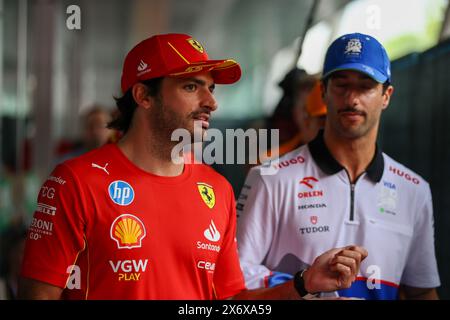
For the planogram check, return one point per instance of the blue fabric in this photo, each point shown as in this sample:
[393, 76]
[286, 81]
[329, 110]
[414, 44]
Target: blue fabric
[360, 52]
[277, 278]
[359, 289]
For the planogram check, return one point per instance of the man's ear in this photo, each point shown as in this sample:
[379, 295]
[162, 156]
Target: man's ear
[141, 95]
[387, 96]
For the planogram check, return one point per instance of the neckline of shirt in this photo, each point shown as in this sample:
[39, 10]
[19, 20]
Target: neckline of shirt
[186, 174]
[329, 165]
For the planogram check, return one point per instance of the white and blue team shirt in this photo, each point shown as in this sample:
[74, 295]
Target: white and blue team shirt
[309, 206]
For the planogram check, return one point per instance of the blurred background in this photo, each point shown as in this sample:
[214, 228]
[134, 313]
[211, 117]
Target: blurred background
[61, 60]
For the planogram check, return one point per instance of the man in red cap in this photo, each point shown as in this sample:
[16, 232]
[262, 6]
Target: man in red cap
[126, 222]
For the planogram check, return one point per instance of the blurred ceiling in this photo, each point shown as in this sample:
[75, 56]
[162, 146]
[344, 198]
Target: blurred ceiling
[250, 31]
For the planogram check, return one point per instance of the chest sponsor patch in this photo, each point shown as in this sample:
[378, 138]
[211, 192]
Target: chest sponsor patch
[128, 231]
[207, 194]
[121, 192]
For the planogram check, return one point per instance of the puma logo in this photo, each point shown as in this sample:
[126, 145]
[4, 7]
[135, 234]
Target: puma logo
[94, 165]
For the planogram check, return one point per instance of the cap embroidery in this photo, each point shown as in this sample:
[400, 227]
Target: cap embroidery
[354, 46]
[142, 66]
[179, 54]
[196, 45]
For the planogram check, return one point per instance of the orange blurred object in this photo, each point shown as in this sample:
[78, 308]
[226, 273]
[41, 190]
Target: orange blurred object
[314, 102]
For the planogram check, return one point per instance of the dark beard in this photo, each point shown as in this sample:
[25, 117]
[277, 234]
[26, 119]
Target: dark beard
[165, 122]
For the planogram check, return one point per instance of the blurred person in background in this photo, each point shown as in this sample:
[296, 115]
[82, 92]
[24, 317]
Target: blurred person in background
[94, 134]
[295, 85]
[309, 114]
[300, 114]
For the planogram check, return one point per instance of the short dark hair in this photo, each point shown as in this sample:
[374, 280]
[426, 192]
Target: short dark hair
[386, 84]
[126, 105]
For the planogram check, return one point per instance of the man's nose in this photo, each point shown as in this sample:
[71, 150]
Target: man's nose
[209, 101]
[352, 97]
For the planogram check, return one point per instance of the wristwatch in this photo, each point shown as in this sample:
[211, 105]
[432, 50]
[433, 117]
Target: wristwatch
[299, 284]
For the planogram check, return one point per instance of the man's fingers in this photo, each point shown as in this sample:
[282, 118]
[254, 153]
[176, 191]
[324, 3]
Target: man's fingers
[332, 252]
[345, 276]
[350, 262]
[343, 263]
[358, 249]
[354, 255]
[351, 254]
[342, 269]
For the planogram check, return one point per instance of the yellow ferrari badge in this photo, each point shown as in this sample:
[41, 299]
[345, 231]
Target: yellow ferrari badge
[197, 46]
[207, 194]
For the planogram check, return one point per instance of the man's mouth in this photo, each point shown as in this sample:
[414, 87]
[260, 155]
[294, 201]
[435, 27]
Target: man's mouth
[204, 118]
[351, 114]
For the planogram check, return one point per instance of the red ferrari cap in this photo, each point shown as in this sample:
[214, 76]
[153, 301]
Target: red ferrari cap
[174, 55]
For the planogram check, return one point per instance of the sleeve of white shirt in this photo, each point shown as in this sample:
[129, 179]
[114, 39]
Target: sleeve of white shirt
[421, 267]
[255, 228]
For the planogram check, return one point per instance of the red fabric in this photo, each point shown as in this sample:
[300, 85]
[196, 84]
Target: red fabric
[174, 55]
[159, 241]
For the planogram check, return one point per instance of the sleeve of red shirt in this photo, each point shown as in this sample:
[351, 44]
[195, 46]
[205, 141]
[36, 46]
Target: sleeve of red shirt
[228, 278]
[56, 235]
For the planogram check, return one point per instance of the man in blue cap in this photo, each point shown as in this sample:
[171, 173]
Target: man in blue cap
[341, 189]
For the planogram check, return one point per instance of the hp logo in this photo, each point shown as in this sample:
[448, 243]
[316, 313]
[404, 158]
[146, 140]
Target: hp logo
[121, 192]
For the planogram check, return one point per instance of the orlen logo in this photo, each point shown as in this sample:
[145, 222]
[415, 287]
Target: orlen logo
[308, 181]
[212, 234]
[128, 231]
[403, 174]
[129, 270]
[121, 192]
[310, 194]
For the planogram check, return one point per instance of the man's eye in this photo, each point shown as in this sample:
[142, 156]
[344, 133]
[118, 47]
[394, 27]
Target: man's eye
[190, 87]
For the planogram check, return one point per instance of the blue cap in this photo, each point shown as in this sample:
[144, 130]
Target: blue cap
[359, 52]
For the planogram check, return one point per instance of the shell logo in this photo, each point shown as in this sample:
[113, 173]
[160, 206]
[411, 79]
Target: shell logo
[128, 231]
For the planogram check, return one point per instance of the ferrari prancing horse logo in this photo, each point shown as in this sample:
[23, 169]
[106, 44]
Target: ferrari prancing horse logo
[207, 194]
[197, 46]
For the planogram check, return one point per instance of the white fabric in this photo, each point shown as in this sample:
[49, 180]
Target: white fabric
[393, 220]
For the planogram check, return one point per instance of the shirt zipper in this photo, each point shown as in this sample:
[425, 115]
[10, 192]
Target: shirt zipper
[352, 201]
[352, 197]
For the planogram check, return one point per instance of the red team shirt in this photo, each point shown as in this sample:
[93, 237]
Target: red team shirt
[105, 229]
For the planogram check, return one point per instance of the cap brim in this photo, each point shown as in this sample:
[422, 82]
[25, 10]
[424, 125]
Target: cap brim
[374, 74]
[222, 71]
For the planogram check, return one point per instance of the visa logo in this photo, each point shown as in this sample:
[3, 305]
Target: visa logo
[389, 185]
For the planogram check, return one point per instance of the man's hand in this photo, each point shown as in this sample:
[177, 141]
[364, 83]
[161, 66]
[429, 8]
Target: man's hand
[335, 269]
